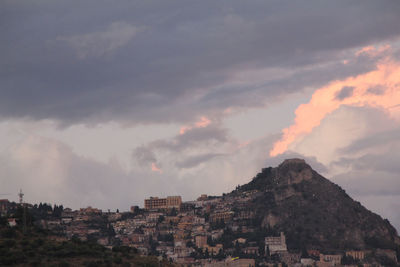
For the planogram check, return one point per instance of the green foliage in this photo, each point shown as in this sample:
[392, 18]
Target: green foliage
[378, 242]
[347, 260]
[63, 263]
[3, 221]
[37, 250]
[260, 182]
[161, 219]
[166, 238]
[118, 260]
[385, 261]
[8, 232]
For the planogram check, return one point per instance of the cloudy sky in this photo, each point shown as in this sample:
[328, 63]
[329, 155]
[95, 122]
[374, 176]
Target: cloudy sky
[105, 103]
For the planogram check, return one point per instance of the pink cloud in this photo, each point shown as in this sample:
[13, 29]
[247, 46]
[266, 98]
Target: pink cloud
[373, 51]
[155, 168]
[358, 93]
[201, 123]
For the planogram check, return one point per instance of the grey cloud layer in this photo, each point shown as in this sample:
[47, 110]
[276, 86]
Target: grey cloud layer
[186, 150]
[153, 61]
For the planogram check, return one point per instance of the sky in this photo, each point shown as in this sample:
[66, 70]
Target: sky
[106, 103]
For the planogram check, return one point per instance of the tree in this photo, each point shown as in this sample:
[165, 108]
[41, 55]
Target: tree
[190, 244]
[206, 254]
[173, 212]
[220, 255]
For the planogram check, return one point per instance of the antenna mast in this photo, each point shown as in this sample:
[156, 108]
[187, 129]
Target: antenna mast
[21, 202]
[21, 197]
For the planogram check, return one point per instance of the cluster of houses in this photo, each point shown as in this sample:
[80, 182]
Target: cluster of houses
[194, 233]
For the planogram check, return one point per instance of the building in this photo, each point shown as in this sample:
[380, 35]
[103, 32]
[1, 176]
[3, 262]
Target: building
[187, 207]
[240, 240]
[333, 259]
[221, 216]
[163, 203]
[275, 244]
[213, 250]
[313, 253]
[203, 197]
[242, 263]
[229, 262]
[134, 209]
[174, 202]
[251, 250]
[307, 262]
[12, 222]
[201, 241]
[90, 210]
[356, 254]
[155, 203]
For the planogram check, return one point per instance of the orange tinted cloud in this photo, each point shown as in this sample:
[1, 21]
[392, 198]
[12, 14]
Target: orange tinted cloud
[155, 168]
[378, 88]
[373, 51]
[203, 122]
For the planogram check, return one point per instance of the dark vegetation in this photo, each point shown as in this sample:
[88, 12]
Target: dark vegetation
[37, 247]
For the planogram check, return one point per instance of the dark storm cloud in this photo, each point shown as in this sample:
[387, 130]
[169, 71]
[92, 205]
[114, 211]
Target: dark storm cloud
[93, 61]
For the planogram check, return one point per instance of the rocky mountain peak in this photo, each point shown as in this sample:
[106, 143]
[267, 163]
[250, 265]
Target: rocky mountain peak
[294, 171]
[314, 212]
[294, 163]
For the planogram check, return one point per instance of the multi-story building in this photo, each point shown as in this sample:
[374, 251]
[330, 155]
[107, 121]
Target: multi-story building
[275, 244]
[201, 241]
[356, 254]
[214, 250]
[203, 197]
[155, 203]
[163, 203]
[251, 250]
[333, 259]
[174, 202]
[90, 210]
[221, 216]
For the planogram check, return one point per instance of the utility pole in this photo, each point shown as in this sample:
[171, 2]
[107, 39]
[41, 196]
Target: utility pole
[21, 202]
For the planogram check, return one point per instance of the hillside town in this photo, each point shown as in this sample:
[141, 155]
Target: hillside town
[210, 231]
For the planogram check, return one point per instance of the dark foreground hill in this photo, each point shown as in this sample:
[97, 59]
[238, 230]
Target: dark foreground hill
[37, 248]
[315, 213]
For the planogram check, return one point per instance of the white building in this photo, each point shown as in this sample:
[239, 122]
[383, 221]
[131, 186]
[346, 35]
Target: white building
[275, 244]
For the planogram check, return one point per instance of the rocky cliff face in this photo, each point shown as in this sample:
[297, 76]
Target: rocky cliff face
[314, 212]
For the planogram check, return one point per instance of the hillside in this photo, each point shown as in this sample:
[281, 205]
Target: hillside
[313, 212]
[37, 248]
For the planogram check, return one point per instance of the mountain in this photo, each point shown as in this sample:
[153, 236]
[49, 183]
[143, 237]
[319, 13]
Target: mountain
[313, 212]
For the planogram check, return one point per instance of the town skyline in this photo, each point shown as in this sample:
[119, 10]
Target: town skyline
[284, 215]
[105, 105]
